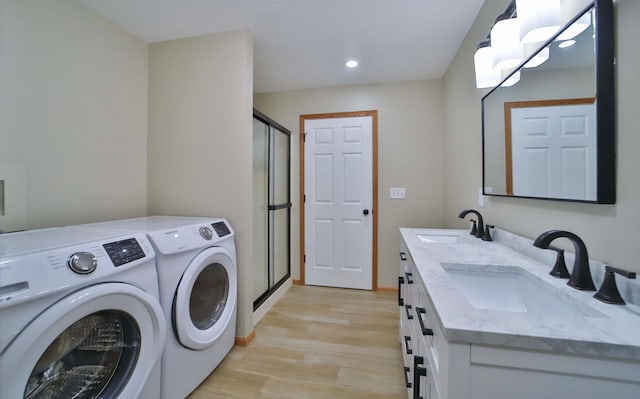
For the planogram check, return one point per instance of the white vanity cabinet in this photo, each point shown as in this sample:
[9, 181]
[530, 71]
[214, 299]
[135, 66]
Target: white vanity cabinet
[415, 336]
[439, 368]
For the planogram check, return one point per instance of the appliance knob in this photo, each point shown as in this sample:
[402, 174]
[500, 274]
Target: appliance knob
[206, 233]
[82, 262]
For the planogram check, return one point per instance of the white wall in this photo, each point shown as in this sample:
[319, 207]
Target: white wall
[610, 231]
[73, 115]
[200, 139]
[410, 141]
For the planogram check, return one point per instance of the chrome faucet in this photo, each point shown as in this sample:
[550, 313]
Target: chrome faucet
[480, 228]
[581, 274]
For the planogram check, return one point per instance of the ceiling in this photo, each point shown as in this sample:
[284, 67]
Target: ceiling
[301, 44]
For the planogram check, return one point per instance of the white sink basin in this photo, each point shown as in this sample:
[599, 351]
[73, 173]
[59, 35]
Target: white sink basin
[512, 289]
[439, 238]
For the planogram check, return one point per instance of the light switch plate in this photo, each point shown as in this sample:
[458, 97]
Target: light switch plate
[397, 193]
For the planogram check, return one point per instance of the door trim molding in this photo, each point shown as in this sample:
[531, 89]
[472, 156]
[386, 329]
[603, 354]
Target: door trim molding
[374, 155]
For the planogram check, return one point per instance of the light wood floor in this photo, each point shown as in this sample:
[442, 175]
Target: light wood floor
[317, 343]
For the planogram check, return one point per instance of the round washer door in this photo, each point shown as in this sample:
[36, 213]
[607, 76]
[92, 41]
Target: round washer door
[99, 342]
[205, 298]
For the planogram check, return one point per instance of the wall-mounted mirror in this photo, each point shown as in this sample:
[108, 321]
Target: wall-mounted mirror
[551, 135]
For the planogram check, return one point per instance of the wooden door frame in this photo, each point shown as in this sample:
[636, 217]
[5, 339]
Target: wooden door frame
[374, 212]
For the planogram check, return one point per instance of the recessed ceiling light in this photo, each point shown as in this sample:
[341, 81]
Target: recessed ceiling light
[567, 43]
[351, 63]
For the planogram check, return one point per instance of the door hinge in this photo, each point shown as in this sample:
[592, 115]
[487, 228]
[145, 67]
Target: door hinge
[304, 198]
[304, 136]
[304, 258]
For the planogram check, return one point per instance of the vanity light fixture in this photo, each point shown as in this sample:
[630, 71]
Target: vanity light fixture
[486, 75]
[351, 64]
[489, 53]
[539, 19]
[516, 34]
[506, 43]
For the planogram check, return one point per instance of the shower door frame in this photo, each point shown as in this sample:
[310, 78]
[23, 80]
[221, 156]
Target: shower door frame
[274, 128]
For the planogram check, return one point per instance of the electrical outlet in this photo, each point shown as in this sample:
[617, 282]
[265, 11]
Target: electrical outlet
[397, 193]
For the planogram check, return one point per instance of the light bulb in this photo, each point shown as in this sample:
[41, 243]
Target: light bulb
[351, 63]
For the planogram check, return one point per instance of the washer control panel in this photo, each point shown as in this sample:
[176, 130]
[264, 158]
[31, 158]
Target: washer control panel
[69, 259]
[124, 251]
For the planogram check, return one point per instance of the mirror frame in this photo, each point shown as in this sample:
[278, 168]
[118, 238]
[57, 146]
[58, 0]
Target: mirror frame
[605, 105]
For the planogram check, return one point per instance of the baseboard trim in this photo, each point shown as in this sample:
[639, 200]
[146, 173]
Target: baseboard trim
[245, 341]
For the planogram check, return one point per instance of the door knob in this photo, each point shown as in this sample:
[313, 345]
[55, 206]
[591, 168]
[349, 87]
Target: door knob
[365, 212]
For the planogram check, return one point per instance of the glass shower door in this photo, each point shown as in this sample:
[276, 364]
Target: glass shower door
[272, 206]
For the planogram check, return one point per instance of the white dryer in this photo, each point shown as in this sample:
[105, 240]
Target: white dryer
[80, 315]
[197, 272]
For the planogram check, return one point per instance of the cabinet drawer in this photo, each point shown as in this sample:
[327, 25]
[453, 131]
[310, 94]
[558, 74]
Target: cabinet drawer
[408, 350]
[432, 336]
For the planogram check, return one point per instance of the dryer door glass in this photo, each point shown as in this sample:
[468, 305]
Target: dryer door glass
[92, 358]
[209, 296]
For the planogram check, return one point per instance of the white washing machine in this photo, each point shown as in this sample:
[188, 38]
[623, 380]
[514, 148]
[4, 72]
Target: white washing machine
[197, 272]
[80, 315]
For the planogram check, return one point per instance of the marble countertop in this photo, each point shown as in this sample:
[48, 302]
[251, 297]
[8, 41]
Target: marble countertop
[614, 332]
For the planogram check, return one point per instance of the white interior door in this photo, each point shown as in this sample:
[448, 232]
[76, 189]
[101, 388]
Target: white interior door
[338, 202]
[554, 151]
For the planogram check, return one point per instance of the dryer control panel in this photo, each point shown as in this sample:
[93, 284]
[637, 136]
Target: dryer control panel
[221, 229]
[124, 251]
[178, 239]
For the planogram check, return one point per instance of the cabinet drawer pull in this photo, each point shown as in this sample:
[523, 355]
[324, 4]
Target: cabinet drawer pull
[403, 257]
[418, 372]
[407, 308]
[425, 331]
[406, 345]
[400, 283]
[409, 280]
[406, 376]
